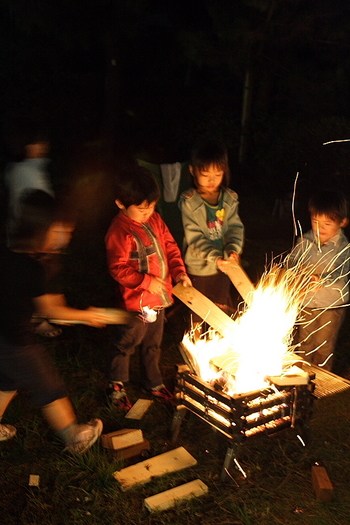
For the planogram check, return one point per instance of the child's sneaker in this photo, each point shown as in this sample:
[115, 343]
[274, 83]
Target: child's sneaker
[7, 432]
[161, 393]
[118, 396]
[85, 437]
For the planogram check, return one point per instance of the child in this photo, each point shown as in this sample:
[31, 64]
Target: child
[326, 250]
[25, 365]
[213, 230]
[144, 259]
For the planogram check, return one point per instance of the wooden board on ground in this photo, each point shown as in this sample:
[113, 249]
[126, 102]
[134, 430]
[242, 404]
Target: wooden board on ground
[170, 498]
[139, 409]
[205, 308]
[126, 437]
[239, 279]
[135, 450]
[143, 472]
[321, 483]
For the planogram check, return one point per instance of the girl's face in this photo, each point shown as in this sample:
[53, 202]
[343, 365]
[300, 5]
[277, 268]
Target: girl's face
[208, 179]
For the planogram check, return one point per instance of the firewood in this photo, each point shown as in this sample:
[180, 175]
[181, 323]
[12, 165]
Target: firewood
[139, 409]
[321, 483]
[123, 438]
[170, 498]
[143, 472]
[205, 308]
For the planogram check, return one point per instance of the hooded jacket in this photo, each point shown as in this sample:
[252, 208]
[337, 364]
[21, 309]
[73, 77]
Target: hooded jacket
[200, 253]
[135, 252]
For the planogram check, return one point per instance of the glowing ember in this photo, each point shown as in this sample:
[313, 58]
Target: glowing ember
[260, 343]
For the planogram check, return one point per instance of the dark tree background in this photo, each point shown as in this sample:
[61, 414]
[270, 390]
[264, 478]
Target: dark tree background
[148, 78]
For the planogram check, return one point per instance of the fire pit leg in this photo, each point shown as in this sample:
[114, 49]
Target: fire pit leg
[231, 455]
[179, 415]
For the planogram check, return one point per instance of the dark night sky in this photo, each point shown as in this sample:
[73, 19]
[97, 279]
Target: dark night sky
[155, 76]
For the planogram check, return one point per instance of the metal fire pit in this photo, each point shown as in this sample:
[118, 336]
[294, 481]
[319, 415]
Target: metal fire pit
[242, 416]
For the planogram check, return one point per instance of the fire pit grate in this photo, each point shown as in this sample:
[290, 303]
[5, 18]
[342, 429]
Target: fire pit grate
[326, 383]
[242, 416]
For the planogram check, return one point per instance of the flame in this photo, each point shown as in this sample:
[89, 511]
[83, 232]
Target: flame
[260, 344]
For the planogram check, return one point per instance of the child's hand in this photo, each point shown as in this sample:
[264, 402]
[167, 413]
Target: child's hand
[235, 256]
[184, 279]
[223, 263]
[157, 285]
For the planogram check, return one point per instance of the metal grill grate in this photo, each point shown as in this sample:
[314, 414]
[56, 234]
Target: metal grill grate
[326, 383]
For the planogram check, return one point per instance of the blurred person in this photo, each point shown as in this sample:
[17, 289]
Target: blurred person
[28, 147]
[25, 288]
[144, 260]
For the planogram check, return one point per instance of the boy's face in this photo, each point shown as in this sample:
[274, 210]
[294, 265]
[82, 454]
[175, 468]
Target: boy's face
[325, 228]
[138, 212]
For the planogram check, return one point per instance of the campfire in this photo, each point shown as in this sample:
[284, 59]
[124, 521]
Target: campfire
[243, 376]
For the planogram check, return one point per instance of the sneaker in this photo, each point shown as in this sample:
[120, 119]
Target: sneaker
[85, 437]
[161, 393]
[118, 396]
[7, 432]
[45, 329]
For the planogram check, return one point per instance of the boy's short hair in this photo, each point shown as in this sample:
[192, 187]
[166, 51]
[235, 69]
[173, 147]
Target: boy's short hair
[135, 185]
[331, 203]
[211, 153]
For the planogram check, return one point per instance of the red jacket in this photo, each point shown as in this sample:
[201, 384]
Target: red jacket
[135, 252]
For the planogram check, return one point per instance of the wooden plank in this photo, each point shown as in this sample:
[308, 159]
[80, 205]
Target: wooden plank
[170, 498]
[134, 450]
[139, 409]
[34, 480]
[239, 279]
[123, 438]
[114, 316]
[143, 472]
[321, 483]
[205, 308]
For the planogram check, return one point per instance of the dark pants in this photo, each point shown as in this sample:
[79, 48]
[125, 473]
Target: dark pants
[148, 337]
[318, 334]
[30, 368]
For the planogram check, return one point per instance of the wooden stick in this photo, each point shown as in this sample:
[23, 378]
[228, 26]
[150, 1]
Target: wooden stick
[239, 279]
[205, 308]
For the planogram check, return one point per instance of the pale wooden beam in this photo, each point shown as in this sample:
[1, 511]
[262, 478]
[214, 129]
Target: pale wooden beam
[143, 472]
[205, 308]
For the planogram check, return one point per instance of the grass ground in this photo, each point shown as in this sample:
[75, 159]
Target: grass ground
[82, 491]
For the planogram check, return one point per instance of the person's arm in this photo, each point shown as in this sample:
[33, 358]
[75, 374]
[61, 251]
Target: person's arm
[54, 306]
[118, 248]
[234, 229]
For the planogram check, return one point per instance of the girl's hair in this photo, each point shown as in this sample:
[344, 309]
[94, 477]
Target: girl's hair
[135, 185]
[211, 153]
[331, 203]
[37, 212]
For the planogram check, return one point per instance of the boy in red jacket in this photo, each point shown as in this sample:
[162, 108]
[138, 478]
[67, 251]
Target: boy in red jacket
[144, 259]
